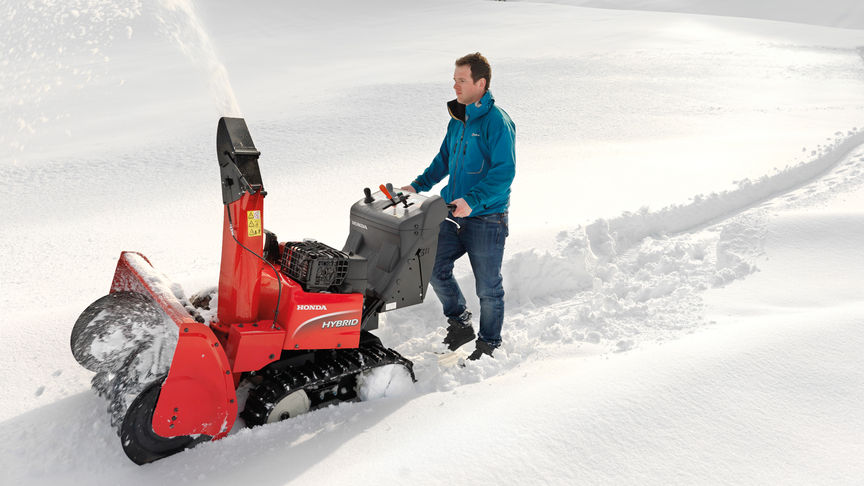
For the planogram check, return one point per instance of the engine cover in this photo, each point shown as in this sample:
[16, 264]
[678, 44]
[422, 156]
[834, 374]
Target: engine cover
[399, 241]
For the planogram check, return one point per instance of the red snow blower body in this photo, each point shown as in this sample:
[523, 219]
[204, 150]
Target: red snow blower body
[292, 318]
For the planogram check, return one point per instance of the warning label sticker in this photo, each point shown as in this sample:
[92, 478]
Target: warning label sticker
[253, 222]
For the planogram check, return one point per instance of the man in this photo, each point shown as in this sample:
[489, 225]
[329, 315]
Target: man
[478, 155]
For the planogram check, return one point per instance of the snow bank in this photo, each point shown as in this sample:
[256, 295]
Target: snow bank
[617, 235]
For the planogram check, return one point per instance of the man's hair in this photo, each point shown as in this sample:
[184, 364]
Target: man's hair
[479, 65]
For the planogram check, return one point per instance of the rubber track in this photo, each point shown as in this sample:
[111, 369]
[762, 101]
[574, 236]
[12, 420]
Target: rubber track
[315, 376]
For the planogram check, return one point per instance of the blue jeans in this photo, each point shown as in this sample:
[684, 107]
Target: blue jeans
[482, 238]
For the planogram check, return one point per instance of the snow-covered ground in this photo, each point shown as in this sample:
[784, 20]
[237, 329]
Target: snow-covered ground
[684, 279]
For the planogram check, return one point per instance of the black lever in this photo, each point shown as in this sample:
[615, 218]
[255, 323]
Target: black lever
[368, 193]
[397, 197]
[393, 196]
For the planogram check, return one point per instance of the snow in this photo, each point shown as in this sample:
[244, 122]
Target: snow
[386, 381]
[683, 272]
[839, 13]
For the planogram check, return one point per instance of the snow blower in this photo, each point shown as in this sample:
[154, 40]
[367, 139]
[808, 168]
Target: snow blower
[292, 319]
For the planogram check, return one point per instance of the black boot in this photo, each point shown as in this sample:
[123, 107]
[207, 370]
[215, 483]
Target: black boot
[459, 331]
[482, 348]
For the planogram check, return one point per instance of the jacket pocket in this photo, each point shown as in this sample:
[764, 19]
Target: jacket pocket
[477, 154]
[473, 168]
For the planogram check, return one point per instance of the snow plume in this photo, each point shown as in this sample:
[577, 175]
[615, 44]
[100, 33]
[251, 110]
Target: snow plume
[183, 26]
[49, 47]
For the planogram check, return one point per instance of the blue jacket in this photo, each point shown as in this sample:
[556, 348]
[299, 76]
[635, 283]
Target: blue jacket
[479, 155]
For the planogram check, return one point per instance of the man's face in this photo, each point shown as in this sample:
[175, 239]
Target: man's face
[467, 91]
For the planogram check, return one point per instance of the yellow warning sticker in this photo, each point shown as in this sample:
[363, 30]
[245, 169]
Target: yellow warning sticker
[253, 222]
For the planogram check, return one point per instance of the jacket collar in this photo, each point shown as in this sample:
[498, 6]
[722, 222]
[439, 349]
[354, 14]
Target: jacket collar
[473, 111]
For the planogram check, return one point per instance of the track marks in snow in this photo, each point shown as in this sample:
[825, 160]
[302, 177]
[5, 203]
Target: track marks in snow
[631, 228]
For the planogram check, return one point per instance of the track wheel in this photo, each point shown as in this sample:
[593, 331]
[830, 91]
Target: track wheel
[140, 443]
[290, 405]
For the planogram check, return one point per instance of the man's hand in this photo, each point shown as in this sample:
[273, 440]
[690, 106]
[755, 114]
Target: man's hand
[409, 188]
[462, 208]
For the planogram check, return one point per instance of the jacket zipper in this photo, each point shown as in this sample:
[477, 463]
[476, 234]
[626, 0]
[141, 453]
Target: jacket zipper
[461, 137]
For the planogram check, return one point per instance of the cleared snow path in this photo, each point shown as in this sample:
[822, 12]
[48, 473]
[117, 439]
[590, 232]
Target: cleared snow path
[631, 280]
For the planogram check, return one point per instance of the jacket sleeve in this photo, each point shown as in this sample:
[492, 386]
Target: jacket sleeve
[502, 154]
[436, 171]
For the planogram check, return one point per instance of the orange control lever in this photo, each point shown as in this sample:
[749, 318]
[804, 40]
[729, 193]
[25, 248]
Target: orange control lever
[385, 191]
